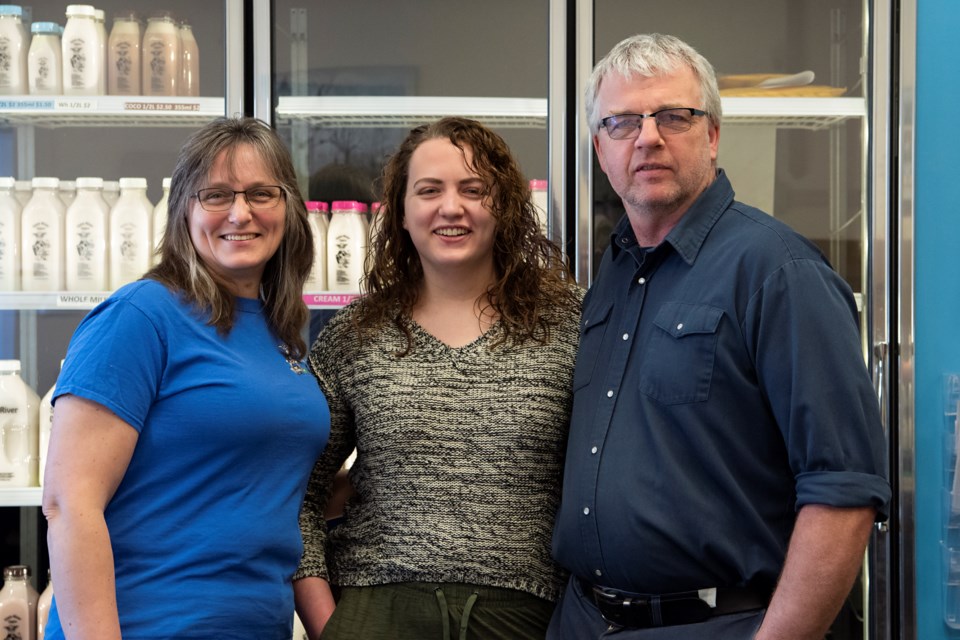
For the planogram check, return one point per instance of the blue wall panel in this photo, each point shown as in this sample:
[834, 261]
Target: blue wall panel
[937, 189]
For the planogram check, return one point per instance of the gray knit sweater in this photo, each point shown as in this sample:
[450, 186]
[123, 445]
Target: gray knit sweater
[459, 458]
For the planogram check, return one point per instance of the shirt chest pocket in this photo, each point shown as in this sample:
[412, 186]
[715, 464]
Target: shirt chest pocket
[678, 367]
[593, 326]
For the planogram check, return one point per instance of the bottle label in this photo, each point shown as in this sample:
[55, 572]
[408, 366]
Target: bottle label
[343, 255]
[124, 65]
[158, 66]
[43, 80]
[78, 63]
[41, 249]
[6, 62]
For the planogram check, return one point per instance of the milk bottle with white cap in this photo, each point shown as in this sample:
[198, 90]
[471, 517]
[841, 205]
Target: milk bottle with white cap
[82, 54]
[19, 426]
[100, 18]
[346, 246]
[9, 237]
[18, 604]
[42, 241]
[86, 238]
[317, 280]
[189, 62]
[45, 60]
[13, 51]
[123, 55]
[45, 427]
[160, 220]
[161, 56]
[130, 227]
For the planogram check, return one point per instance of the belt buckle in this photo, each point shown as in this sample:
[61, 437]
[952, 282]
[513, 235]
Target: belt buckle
[634, 612]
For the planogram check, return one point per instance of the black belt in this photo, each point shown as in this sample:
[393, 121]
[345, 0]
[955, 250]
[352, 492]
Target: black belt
[637, 610]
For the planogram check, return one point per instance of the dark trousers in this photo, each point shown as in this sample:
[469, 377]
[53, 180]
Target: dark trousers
[577, 618]
[429, 611]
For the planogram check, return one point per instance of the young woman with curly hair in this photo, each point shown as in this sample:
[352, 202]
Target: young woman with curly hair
[451, 377]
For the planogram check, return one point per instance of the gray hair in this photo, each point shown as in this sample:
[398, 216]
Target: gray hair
[650, 55]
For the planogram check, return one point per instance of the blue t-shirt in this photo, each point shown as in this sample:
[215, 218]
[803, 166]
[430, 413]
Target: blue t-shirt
[719, 387]
[204, 525]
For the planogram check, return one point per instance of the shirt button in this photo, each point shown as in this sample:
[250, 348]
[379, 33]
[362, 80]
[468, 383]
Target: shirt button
[586, 511]
[593, 450]
[642, 280]
[610, 393]
[626, 336]
[679, 326]
[597, 572]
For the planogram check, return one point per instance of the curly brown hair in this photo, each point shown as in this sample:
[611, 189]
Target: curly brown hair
[532, 273]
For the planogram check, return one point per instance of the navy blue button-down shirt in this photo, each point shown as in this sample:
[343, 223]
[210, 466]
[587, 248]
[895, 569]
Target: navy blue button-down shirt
[720, 386]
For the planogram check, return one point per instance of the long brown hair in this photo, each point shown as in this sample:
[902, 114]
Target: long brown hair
[531, 273]
[181, 267]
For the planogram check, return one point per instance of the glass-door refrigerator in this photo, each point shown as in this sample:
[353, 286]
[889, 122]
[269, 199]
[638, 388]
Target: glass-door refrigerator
[93, 133]
[347, 81]
[809, 93]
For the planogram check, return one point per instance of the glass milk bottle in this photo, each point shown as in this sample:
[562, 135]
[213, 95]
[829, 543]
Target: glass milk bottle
[13, 51]
[18, 604]
[160, 220]
[317, 280]
[45, 60]
[86, 238]
[123, 56]
[346, 246]
[45, 420]
[41, 233]
[19, 428]
[161, 56]
[9, 236]
[538, 195]
[43, 608]
[100, 18]
[82, 57]
[189, 62]
[130, 226]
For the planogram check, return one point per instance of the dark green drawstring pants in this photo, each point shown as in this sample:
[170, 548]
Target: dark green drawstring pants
[431, 611]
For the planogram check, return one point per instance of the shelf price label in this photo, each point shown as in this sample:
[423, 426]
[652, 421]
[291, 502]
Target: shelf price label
[76, 104]
[80, 300]
[29, 104]
[161, 106]
[329, 300]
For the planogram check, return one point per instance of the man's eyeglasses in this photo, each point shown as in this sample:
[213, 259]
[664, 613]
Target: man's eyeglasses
[217, 199]
[625, 126]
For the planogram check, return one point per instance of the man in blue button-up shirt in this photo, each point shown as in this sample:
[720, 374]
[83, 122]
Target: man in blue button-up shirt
[726, 458]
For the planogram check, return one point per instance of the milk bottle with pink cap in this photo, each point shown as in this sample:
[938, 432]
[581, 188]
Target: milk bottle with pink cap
[346, 246]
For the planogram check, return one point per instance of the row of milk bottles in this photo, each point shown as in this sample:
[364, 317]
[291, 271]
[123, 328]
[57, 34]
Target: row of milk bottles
[23, 612]
[87, 245]
[81, 59]
[340, 244]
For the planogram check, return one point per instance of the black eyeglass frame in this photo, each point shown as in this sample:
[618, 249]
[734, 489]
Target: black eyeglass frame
[282, 196]
[663, 127]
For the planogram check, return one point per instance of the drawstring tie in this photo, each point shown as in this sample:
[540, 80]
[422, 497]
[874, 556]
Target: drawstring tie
[445, 613]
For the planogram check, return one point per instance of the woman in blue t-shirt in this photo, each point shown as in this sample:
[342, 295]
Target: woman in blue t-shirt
[180, 449]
